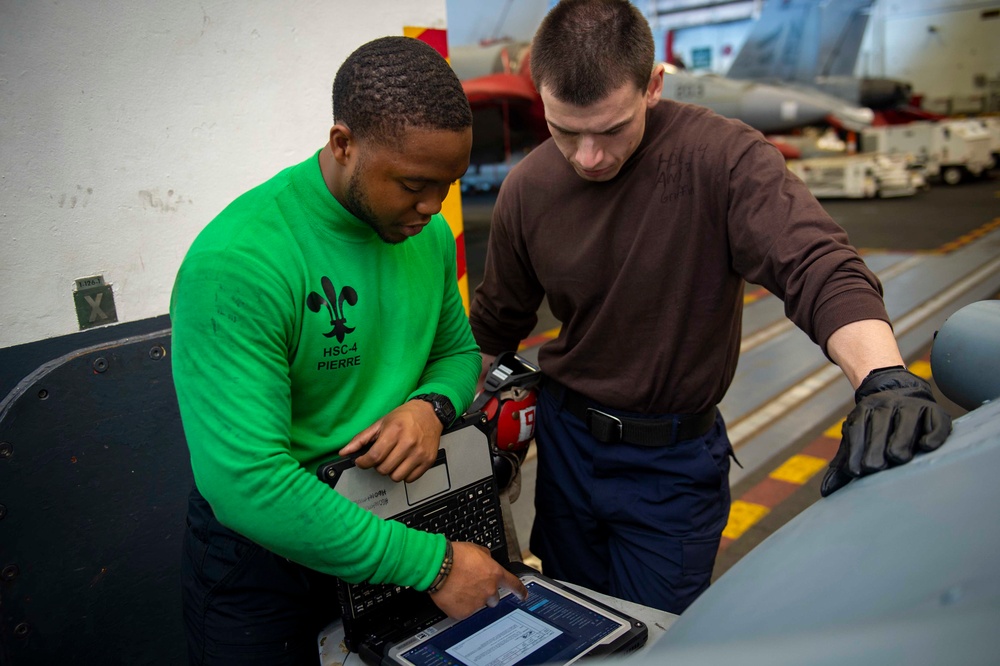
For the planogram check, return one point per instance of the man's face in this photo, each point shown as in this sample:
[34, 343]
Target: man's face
[395, 189]
[597, 139]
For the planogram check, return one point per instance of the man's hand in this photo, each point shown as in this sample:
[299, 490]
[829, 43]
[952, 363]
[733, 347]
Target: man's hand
[404, 442]
[895, 417]
[476, 580]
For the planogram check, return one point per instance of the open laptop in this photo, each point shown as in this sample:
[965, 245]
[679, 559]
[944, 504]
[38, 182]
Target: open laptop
[458, 496]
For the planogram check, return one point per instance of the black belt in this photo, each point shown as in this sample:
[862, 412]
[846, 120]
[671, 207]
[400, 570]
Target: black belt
[611, 429]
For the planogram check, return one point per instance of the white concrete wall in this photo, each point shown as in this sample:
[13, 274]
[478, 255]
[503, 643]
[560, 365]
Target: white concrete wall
[940, 46]
[126, 126]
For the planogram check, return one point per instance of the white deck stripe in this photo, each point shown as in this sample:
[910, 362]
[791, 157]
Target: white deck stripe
[742, 429]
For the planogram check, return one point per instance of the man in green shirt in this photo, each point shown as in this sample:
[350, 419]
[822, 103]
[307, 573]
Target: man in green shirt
[320, 312]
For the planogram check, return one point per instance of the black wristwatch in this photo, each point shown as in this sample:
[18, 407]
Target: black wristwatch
[443, 408]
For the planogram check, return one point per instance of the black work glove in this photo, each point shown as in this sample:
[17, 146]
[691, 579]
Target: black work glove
[895, 417]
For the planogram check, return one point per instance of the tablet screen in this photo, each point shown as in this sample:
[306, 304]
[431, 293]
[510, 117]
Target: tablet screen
[547, 626]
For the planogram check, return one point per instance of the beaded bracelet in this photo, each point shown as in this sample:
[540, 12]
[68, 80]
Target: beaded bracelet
[446, 563]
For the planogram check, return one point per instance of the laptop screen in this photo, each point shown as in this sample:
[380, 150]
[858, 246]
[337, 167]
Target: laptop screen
[549, 626]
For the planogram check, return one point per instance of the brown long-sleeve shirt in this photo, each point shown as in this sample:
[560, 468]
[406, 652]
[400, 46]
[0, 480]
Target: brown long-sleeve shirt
[646, 271]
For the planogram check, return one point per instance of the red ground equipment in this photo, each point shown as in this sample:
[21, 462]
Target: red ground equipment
[508, 399]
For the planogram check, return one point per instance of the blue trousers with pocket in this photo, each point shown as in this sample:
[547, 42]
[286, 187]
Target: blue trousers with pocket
[641, 523]
[244, 604]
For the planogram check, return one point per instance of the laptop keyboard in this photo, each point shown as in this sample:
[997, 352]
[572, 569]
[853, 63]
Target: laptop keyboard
[471, 515]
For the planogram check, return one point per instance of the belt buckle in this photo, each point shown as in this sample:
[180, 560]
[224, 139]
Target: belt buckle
[611, 437]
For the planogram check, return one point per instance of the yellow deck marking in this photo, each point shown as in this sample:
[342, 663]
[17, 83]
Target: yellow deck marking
[531, 560]
[798, 469]
[743, 516]
[965, 239]
[835, 431]
[921, 369]
[533, 341]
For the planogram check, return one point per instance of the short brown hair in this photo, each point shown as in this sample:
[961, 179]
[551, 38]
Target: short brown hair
[586, 49]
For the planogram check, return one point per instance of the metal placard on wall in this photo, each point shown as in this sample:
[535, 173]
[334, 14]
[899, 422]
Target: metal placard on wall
[95, 302]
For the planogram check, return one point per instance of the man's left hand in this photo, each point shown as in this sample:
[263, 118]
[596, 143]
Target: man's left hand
[895, 417]
[404, 442]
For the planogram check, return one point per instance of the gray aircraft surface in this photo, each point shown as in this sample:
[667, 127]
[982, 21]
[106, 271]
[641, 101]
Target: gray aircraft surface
[897, 568]
[509, 115]
[768, 107]
[815, 45]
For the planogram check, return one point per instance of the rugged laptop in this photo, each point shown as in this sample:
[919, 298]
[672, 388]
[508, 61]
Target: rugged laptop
[458, 496]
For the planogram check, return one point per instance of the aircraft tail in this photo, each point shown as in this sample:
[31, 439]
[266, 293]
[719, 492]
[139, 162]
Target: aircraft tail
[800, 40]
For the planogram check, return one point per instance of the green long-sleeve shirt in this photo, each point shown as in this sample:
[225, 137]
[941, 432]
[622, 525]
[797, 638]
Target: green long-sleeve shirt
[294, 328]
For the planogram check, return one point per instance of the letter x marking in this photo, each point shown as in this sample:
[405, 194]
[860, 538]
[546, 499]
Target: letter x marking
[95, 307]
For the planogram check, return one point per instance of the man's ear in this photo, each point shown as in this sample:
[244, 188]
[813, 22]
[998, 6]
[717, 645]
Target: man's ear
[341, 143]
[654, 89]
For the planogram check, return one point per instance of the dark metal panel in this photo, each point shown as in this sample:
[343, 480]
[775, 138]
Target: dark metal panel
[20, 360]
[94, 476]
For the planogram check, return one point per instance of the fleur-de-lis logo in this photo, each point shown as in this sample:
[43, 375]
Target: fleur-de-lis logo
[334, 303]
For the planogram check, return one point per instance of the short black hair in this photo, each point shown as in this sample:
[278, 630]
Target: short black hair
[586, 49]
[392, 83]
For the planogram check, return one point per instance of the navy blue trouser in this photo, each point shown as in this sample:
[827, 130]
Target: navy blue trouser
[244, 604]
[641, 523]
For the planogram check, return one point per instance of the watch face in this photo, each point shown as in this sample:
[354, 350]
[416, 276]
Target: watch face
[443, 408]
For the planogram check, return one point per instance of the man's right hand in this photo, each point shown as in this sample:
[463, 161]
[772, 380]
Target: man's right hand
[404, 442]
[476, 580]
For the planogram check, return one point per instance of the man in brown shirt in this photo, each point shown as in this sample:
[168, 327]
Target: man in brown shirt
[639, 221]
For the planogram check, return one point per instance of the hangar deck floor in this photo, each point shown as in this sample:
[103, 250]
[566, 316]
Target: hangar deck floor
[934, 252]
